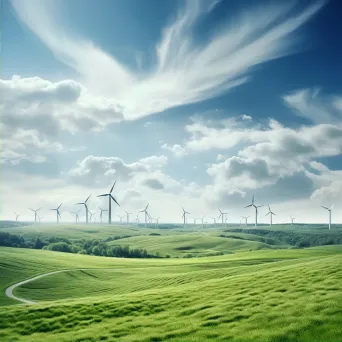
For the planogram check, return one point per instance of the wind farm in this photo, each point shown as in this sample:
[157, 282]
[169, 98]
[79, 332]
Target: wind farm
[171, 171]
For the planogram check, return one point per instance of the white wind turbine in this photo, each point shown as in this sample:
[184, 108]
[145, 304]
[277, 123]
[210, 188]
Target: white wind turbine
[256, 210]
[270, 213]
[222, 215]
[292, 219]
[214, 218]
[101, 213]
[184, 216]
[329, 210]
[246, 218]
[121, 217]
[110, 199]
[16, 216]
[76, 215]
[147, 215]
[127, 215]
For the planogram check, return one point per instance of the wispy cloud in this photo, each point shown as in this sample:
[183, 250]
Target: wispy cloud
[186, 72]
[314, 106]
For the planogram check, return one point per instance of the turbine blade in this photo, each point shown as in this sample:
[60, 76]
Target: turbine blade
[268, 213]
[114, 200]
[112, 188]
[87, 199]
[103, 195]
[324, 207]
[253, 199]
[332, 206]
[248, 206]
[60, 205]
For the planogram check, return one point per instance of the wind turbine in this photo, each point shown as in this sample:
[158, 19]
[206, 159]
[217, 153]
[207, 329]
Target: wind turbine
[127, 215]
[147, 215]
[137, 220]
[246, 218]
[35, 214]
[292, 219]
[121, 217]
[256, 210]
[222, 215]
[184, 216]
[110, 198]
[214, 218]
[270, 212]
[87, 210]
[329, 210]
[157, 222]
[40, 217]
[91, 215]
[76, 215]
[225, 221]
[57, 212]
[202, 218]
[101, 212]
[16, 216]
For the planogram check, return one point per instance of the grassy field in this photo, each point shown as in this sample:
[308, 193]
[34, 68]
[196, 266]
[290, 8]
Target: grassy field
[261, 289]
[268, 295]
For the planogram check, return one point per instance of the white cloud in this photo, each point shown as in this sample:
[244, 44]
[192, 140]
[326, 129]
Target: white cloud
[176, 149]
[185, 72]
[94, 170]
[246, 117]
[310, 104]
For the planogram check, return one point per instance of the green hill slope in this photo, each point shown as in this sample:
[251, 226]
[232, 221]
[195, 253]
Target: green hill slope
[269, 295]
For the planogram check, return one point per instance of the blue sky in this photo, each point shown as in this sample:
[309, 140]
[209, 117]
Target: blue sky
[193, 103]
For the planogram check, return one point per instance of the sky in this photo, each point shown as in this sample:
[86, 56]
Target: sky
[199, 104]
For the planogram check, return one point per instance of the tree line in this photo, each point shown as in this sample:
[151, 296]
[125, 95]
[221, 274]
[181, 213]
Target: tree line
[299, 239]
[90, 247]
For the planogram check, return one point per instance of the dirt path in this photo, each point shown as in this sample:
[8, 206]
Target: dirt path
[9, 290]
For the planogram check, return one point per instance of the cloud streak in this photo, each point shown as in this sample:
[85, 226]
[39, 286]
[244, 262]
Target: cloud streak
[186, 71]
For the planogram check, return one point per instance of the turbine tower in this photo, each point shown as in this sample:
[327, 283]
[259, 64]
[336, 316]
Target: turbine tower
[87, 210]
[57, 212]
[127, 215]
[256, 210]
[157, 222]
[16, 216]
[76, 215]
[246, 218]
[271, 213]
[214, 218]
[101, 212]
[222, 215]
[292, 219]
[35, 214]
[110, 198]
[184, 216]
[91, 215]
[329, 210]
[147, 215]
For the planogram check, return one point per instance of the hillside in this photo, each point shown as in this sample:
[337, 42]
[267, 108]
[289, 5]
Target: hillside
[268, 295]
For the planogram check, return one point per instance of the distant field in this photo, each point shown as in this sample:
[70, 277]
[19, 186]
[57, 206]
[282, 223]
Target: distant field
[196, 244]
[268, 295]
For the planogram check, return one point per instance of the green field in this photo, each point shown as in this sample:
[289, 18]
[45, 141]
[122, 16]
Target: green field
[256, 291]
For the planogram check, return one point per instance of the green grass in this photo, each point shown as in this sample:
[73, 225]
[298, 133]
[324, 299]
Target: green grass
[197, 244]
[273, 293]
[268, 295]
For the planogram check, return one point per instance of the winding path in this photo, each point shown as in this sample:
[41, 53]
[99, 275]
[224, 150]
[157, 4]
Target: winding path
[9, 290]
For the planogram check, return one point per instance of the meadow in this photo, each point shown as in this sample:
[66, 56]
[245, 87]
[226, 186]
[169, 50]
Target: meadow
[255, 291]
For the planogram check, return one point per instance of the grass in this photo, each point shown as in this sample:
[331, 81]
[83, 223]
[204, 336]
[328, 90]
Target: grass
[274, 293]
[271, 295]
